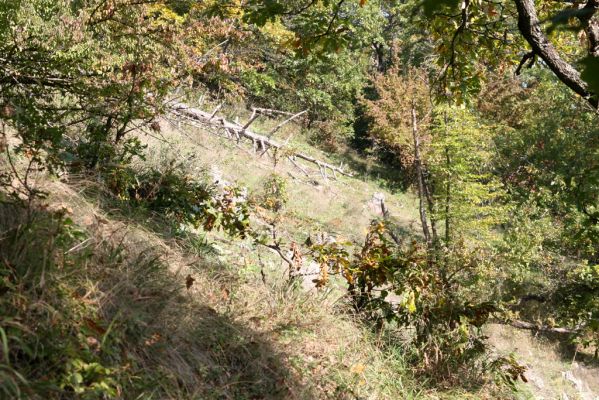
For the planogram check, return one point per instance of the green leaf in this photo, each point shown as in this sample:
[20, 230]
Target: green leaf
[590, 73]
[411, 303]
[77, 379]
[431, 6]
[4, 338]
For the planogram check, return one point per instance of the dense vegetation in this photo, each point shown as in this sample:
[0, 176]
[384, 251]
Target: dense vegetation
[486, 110]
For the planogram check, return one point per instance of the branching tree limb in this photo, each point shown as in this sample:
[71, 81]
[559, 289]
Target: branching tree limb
[530, 27]
[530, 57]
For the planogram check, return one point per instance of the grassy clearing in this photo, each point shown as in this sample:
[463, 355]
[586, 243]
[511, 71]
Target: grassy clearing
[342, 206]
[115, 319]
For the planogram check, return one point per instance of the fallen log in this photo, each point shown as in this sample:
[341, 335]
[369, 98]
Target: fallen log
[242, 131]
[541, 328]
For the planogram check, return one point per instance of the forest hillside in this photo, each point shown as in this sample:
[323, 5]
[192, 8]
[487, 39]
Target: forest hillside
[299, 199]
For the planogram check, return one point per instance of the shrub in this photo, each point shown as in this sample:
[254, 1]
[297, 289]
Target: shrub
[181, 199]
[431, 298]
[579, 305]
[274, 194]
[84, 72]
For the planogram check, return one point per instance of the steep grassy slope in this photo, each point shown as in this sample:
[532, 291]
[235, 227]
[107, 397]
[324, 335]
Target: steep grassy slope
[100, 299]
[342, 206]
[127, 310]
[118, 322]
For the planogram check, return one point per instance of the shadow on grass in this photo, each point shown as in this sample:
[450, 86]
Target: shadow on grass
[567, 350]
[130, 212]
[538, 308]
[201, 350]
[114, 301]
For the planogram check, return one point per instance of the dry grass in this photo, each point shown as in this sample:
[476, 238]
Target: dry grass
[230, 336]
[555, 370]
[337, 206]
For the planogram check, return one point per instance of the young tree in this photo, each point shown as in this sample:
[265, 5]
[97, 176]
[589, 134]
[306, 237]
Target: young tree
[98, 67]
[400, 115]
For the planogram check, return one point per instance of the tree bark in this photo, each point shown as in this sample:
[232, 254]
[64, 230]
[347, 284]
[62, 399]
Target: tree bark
[432, 206]
[530, 27]
[541, 328]
[591, 26]
[447, 198]
[420, 178]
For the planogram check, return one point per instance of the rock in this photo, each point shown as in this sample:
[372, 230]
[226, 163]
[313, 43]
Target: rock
[308, 272]
[581, 387]
[375, 204]
[536, 380]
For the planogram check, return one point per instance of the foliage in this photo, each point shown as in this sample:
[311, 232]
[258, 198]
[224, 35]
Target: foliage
[181, 199]
[92, 66]
[546, 145]
[546, 158]
[396, 93]
[475, 36]
[274, 195]
[325, 85]
[436, 301]
[285, 66]
[454, 147]
[506, 169]
[438, 288]
[580, 307]
[51, 341]
[467, 194]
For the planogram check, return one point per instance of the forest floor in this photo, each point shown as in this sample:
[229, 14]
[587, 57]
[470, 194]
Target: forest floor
[344, 207]
[239, 331]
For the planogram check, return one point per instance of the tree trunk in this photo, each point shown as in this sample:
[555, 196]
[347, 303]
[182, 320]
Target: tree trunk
[239, 130]
[447, 198]
[420, 178]
[432, 206]
[591, 26]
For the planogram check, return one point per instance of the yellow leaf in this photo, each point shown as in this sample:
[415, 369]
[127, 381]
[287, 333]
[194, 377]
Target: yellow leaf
[358, 368]
[411, 304]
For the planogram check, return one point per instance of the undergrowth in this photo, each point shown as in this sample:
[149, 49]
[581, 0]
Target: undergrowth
[96, 317]
[93, 310]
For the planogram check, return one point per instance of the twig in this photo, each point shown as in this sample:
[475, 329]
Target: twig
[285, 122]
[215, 111]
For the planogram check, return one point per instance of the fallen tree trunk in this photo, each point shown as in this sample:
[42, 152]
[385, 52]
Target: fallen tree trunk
[239, 131]
[541, 328]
